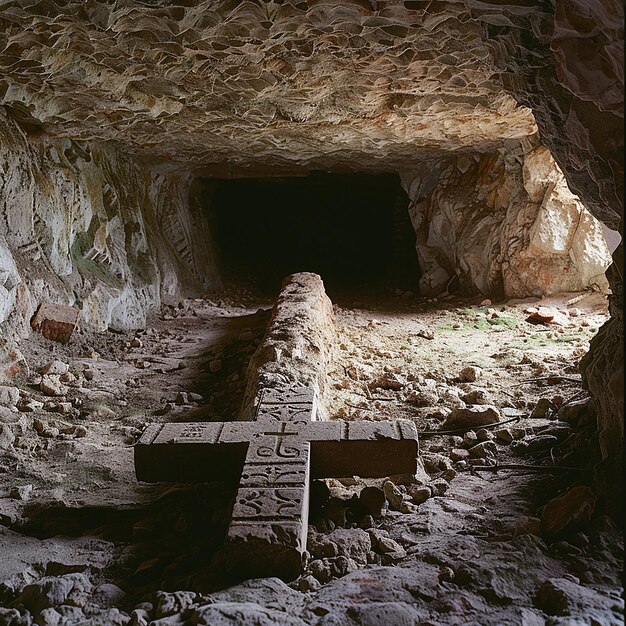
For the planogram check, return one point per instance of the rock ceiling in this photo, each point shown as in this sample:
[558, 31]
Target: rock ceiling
[319, 83]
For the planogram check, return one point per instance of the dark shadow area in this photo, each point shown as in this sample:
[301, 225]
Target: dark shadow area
[220, 367]
[352, 229]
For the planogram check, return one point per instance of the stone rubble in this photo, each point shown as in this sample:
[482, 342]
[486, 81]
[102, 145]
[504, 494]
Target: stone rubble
[391, 544]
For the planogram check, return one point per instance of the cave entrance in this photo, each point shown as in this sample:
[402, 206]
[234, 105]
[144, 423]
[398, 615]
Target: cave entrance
[352, 229]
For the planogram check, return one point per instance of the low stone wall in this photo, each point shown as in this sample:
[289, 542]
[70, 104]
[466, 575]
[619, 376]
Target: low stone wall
[299, 343]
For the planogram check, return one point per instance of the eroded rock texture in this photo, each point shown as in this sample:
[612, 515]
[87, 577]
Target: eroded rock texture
[503, 224]
[85, 225]
[320, 84]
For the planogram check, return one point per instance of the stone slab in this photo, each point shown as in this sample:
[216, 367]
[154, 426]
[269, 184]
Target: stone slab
[56, 322]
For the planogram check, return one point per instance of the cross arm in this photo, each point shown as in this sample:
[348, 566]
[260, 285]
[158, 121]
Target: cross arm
[188, 452]
[366, 449]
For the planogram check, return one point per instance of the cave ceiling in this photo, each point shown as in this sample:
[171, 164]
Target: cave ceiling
[317, 84]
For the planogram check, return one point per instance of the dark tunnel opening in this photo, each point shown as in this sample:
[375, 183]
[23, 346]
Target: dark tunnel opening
[352, 229]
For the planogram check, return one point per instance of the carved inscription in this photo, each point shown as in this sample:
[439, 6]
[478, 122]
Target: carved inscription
[190, 432]
[287, 395]
[285, 412]
[267, 503]
[272, 475]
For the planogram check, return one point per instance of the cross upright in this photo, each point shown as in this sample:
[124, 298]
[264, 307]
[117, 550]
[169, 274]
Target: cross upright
[282, 445]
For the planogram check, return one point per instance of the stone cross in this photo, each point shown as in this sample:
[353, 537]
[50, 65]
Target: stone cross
[274, 458]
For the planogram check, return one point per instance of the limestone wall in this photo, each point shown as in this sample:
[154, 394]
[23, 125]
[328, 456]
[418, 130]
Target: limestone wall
[86, 226]
[504, 223]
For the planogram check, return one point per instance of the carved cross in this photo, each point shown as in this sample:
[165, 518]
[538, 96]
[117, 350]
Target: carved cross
[280, 451]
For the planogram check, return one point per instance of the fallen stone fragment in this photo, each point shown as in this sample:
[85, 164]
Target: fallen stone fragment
[573, 411]
[505, 435]
[449, 474]
[546, 315]
[485, 435]
[435, 462]
[470, 438]
[419, 494]
[373, 500]
[568, 513]
[458, 454]
[28, 405]
[407, 507]
[534, 443]
[542, 409]
[79, 432]
[393, 494]
[22, 492]
[63, 407]
[182, 398]
[9, 396]
[7, 438]
[425, 333]
[470, 374]
[383, 543]
[54, 367]
[422, 398]
[51, 385]
[472, 416]
[476, 396]
[388, 381]
[482, 450]
[45, 430]
[439, 487]
[56, 322]
[168, 604]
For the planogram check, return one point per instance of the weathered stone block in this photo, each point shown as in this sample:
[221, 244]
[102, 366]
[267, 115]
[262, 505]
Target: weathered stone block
[56, 322]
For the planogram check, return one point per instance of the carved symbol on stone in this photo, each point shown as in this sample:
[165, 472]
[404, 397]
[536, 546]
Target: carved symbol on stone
[272, 474]
[287, 501]
[268, 503]
[285, 412]
[279, 449]
[252, 499]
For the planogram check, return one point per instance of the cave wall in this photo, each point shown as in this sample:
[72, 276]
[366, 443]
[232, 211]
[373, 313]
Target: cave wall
[504, 223]
[86, 226]
[565, 60]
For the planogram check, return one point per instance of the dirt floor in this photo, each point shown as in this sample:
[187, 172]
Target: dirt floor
[70, 504]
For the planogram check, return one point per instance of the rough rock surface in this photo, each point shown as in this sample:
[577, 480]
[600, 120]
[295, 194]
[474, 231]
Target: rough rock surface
[503, 224]
[283, 84]
[87, 226]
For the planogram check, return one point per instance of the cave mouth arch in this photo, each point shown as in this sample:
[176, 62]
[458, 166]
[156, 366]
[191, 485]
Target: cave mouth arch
[351, 228]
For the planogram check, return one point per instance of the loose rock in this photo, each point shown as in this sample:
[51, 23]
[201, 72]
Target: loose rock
[472, 416]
